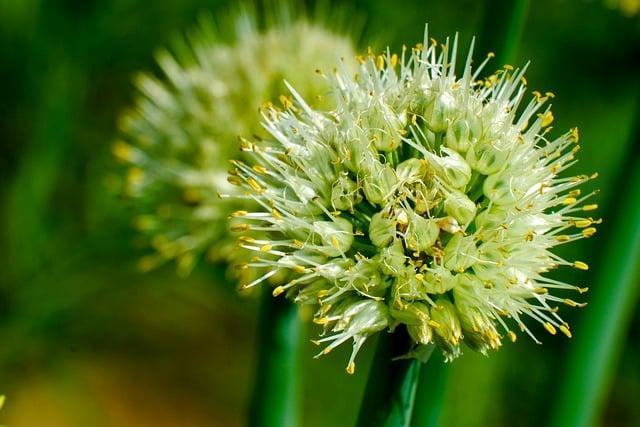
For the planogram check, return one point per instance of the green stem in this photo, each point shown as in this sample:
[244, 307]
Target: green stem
[431, 386]
[600, 337]
[504, 40]
[391, 388]
[275, 394]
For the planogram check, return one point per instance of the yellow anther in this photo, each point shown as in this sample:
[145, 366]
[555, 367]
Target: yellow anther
[540, 291]
[433, 324]
[547, 119]
[277, 291]
[512, 336]
[380, 62]
[286, 102]
[523, 81]
[323, 293]
[394, 60]
[122, 151]
[266, 248]
[299, 269]
[583, 290]
[237, 214]
[276, 214]
[565, 331]
[588, 232]
[563, 238]
[240, 227]
[260, 169]
[550, 328]
[491, 55]
[590, 207]
[570, 302]
[320, 320]
[508, 67]
[574, 193]
[135, 175]
[550, 94]
[580, 265]
[575, 134]
[569, 201]
[582, 223]
[335, 242]
[254, 185]
[420, 46]
[351, 368]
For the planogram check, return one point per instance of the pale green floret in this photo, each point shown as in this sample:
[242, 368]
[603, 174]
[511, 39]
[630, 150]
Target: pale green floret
[422, 233]
[451, 189]
[460, 207]
[382, 229]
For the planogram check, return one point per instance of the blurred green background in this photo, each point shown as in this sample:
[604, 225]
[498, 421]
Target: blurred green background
[86, 340]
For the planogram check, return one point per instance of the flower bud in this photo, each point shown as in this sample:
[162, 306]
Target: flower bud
[345, 194]
[422, 233]
[378, 186]
[384, 127]
[336, 235]
[479, 330]
[460, 253]
[438, 280]
[502, 189]
[454, 169]
[460, 207]
[382, 229]
[448, 331]
[411, 170]
[407, 285]
[487, 157]
[365, 277]
[440, 112]
[458, 136]
[422, 333]
[392, 258]
[414, 313]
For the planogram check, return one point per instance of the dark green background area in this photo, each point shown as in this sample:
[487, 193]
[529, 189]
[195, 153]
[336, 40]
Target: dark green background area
[87, 340]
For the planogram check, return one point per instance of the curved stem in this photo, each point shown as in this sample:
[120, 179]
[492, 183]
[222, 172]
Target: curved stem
[503, 39]
[600, 338]
[274, 402]
[391, 388]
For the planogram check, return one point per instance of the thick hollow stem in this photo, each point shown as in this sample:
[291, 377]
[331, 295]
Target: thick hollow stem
[275, 395]
[430, 393]
[391, 388]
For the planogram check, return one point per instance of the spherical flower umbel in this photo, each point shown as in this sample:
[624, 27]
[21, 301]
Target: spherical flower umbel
[181, 132]
[425, 199]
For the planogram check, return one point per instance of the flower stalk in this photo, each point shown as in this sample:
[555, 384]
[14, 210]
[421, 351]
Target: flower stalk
[390, 392]
[276, 391]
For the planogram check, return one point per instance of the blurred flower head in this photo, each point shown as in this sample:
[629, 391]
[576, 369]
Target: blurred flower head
[184, 126]
[425, 198]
